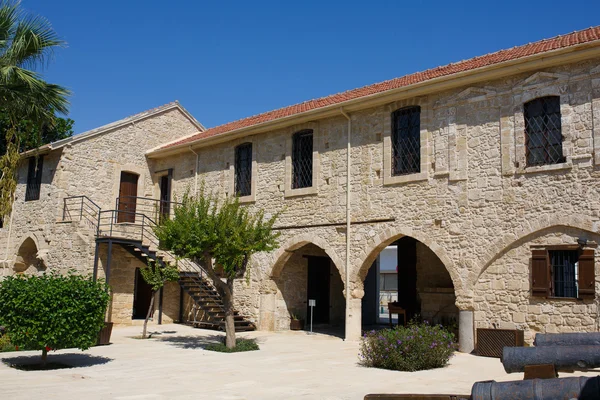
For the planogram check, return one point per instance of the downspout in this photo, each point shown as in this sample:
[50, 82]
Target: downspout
[347, 219]
[195, 172]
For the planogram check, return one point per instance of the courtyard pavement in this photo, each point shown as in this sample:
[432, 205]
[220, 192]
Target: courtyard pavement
[173, 365]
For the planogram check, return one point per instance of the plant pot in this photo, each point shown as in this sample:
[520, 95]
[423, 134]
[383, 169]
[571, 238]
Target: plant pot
[296, 324]
[104, 335]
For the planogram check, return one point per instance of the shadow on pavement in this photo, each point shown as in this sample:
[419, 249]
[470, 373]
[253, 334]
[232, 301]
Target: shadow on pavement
[192, 342]
[69, 360]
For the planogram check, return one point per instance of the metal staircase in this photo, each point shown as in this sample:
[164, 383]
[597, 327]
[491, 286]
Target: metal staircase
[137, 237]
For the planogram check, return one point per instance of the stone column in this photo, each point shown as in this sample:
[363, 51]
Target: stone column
[266, 319]
[354, 319]
[466, 342]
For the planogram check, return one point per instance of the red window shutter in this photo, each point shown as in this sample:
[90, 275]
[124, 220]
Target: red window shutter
[587, 275]
[540, 280]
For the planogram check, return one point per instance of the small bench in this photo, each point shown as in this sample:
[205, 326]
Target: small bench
[394, 308]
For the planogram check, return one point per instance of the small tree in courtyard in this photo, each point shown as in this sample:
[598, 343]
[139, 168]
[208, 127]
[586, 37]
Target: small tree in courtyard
[221, 236]
[157, 277]
[52, 311]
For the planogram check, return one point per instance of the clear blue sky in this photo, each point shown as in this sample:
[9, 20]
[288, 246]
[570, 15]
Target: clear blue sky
[225, 60]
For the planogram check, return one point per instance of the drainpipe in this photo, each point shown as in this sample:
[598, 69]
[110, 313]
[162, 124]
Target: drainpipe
[195, 172]
[347, 218]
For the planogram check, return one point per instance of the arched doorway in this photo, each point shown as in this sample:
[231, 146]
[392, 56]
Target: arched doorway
[407, 271]
[308, 273]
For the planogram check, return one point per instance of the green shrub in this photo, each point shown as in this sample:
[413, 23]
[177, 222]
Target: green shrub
[51, 312]
[5, 344]
[240, 345]
[412, 348]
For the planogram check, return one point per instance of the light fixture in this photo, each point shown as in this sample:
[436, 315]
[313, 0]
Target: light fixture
[581, 242]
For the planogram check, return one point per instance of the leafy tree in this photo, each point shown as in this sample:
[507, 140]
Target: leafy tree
[32, 135]
[221, 236]
[157, 277]
[52, 311]
[26, 42]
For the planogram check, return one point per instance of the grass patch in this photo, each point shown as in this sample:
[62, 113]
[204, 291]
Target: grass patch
[240, 345]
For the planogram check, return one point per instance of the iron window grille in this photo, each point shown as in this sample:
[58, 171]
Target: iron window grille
[302, 159]
[243, 169]
[564, 272]
[543, 133]
[406, 141]
[34, 178]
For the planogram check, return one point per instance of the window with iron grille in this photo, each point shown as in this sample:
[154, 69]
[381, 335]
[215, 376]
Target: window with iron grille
[543, 133]
[34, 178]
[302, 159]
[564, 272]
[243, 169]
[406, 141]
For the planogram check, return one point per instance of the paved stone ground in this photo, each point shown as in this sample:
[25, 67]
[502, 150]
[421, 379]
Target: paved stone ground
[290, 365]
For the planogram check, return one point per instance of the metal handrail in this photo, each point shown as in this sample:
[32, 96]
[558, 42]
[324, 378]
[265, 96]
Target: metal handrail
[107, 221]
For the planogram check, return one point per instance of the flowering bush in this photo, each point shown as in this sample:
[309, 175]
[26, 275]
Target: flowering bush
[412, 348]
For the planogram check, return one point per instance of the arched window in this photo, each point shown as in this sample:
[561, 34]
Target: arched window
[543, 134]
[302, 159]
[243, 169]
[406, 141]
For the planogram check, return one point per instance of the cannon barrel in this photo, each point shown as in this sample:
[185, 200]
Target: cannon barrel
[567, 339]
[564, 358]
[583, 388]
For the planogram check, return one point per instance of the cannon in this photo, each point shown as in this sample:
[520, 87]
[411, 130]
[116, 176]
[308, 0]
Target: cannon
[582, 388]
[567, 339]
[564, 358]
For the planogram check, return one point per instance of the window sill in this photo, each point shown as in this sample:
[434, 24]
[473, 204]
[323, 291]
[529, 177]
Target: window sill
[247, 199]
[393, 180]
[546, 168]
[300, 192]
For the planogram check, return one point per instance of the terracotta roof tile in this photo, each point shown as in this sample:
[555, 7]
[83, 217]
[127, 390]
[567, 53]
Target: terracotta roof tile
[571, 39]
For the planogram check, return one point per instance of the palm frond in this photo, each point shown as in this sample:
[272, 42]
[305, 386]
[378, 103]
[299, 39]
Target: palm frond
[9, 15]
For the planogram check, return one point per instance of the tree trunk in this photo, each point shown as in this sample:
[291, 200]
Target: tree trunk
[148, 315]
[229, 316]
[44, 357]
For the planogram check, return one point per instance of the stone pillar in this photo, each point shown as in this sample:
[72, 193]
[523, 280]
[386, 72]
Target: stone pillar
[266, 319]
[353, 319]
[466, 342]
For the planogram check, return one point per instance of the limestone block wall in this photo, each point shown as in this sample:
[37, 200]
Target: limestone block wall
[473, 197]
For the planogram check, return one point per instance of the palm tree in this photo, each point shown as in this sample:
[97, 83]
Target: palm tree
[26, 44]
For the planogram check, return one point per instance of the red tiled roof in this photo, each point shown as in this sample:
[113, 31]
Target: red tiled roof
[571, 39]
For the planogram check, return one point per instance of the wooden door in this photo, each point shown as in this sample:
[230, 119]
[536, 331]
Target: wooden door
[142, 295]
[127, 197]
[318, 289]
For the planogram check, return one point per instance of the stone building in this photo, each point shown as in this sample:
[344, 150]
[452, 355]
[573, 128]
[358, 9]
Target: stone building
[483, 173]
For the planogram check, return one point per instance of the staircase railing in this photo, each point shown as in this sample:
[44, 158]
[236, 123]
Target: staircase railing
[81, 208]
[125, 224]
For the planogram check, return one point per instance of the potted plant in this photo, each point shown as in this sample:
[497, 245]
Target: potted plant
[296, 324]
[104, 334]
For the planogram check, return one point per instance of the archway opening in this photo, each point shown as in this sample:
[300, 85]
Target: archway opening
[307, 274]
[410, 274]
[27, 258]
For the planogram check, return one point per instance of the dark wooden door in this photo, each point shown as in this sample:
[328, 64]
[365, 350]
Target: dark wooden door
[165, 195]
[127, 197]
[142, 295]
[318, 289]
[407, 276]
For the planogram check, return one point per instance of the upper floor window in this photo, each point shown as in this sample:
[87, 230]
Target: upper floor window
[34, 178]
[543, 135]
[243, 169]
[406, 141]
[302, 159]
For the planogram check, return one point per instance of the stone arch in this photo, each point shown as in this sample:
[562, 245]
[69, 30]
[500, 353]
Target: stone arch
[529, 229]
[30, 254]
[385, 238]
[281, 255]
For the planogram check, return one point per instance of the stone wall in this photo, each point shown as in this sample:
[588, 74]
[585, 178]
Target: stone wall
[90, 167]
[472, 198]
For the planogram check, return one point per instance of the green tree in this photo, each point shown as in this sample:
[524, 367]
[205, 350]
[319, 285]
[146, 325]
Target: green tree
[52, 311]
[157, 277]
[26, 43]
[32, 135]
[221, 236]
